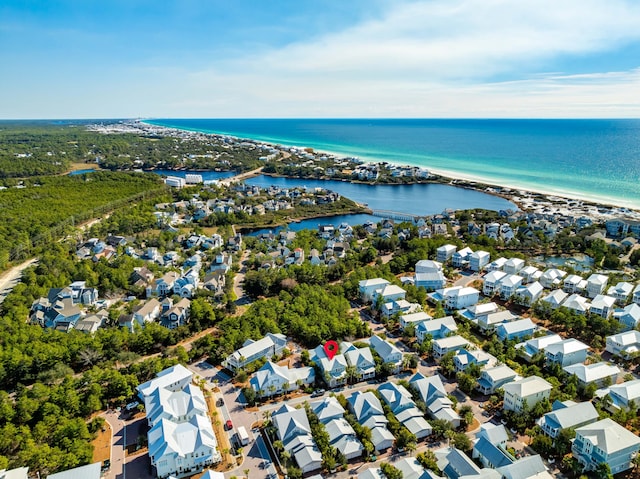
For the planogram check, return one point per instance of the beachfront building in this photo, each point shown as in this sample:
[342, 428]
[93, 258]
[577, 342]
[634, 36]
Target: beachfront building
[567, 415]
[567, 352]
[267, 347]
[607, 442]
[601, 374]
[629, 316]
[529, 390]
[445, 252]
[494, 378]
[478, 260]
[624, 344]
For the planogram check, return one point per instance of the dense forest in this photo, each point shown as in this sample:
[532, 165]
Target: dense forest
[37, 213]
[39, 148]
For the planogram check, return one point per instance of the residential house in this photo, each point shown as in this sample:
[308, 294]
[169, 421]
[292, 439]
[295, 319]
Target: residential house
[573, 284]
[552, 278]
[628, 316]
[402, 406]
[445, 252]
[555, 298]
[490, 321]
[428, 266]
[602, 305]
[430, 281]
[436, 328]
[293, 430]
[513, 266]
[624, 396]
[368, 411]
[509, 284]
[362, 360]
[368, 287]
[267, 347]
[413, 319]
[460, 259]
[147, 312]
[516, 330]
[529, 273]
[490, 447]
[472, 313]
[624, 344]
[215, 282]
[22, 473]
[273, 379]
[496, 265]
[175, 315]
[176, 406]
[334, 370]
[577, 304]
[222, 262]
[567, 415]
[431, 391]
[601, 374]
[529, 294]
[621, 292]
[387, 351]
[88, 471]
[494, 378]
[567, 352]
[457, 297]
[596, 283]
[388, 293]
[445, 345]
[341, 434]
[478, 260]
[533, 346]
[636, 294]
[491, 284]
[528, 467]
[465, 358]
[174, 378]
[529, 391]
[163, 286]
[607, 442]
[455, 464]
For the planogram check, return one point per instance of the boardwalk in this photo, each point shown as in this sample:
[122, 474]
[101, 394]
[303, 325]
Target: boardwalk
[240, 177]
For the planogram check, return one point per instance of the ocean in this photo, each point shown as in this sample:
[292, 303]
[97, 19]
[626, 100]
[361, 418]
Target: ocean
[597, 160]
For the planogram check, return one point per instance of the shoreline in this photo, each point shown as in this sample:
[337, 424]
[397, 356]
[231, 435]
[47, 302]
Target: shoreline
[512, 194]
[451, 176]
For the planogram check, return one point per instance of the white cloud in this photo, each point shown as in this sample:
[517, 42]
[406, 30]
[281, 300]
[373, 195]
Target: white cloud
[435, 58]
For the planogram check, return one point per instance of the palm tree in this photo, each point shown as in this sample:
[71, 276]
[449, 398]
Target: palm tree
[286, 387]
[89, 357]
[351, 372]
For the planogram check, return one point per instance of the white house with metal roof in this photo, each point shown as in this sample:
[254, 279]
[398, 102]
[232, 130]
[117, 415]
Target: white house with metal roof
[529, 348]
[608, 442]
[273, 379]
[267, 347]
[402, 406]
[567, 415]
[566, 352]
[494, 378]
[368, 287]
[555, 298]
[621, 291]
[629, 316]
[597, 373]
[596, 284]
[529, 390]
[602, 305]
[292, 427]
[387, 351]
[624, 344]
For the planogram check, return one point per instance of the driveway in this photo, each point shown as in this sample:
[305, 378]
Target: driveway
[125, 432]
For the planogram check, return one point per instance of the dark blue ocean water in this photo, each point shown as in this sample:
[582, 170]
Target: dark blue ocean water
[594, 159]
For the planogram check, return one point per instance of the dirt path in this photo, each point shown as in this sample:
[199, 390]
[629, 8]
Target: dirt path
[10, 278]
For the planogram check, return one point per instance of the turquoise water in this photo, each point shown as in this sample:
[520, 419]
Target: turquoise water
[591, 159]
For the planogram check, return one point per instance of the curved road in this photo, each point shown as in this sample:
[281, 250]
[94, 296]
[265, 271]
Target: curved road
[10, 278]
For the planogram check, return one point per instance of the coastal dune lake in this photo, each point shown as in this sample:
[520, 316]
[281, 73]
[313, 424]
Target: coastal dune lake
[597, 160]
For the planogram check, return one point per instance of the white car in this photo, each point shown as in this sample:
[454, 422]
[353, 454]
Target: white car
[132, 405]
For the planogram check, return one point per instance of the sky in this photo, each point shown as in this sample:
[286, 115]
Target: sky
[320, 59]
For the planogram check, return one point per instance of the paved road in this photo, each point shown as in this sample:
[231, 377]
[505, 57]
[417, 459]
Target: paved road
[10, 278]
[125, 432]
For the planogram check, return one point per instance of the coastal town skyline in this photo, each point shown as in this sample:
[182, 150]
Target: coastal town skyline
[286, 59]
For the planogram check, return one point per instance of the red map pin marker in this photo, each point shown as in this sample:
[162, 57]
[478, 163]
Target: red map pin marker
[331, 349]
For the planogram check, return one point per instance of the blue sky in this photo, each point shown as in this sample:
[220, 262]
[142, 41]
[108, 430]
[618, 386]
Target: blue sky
[324, 58]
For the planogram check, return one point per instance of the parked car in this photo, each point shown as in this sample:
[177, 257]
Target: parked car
[229, 424]
[220, 402]
[317, 393]
[132, 405]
